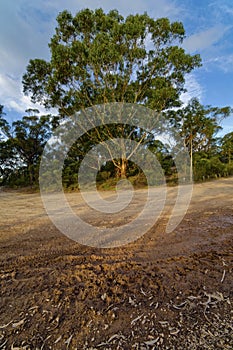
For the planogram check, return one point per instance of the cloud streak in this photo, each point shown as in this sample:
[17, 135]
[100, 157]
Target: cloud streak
[13, 97]
[205, 39]
[224, 63]
[194, 89]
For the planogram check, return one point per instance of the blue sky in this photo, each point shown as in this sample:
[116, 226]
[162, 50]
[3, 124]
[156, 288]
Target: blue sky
[27, 26]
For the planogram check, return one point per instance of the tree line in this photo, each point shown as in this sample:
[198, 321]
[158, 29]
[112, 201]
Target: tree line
[100, 58]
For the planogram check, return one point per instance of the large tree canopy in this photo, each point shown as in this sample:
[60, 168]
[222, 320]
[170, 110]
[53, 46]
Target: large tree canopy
[99, 58]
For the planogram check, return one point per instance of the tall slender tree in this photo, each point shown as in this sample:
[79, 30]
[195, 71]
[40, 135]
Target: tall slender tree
[198, 126]
[4, 125]
[227, 147]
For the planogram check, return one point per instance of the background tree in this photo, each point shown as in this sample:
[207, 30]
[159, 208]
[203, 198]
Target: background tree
[7, 156]
[100, 58]
[4, 125]
[199, 126]
[30, 135]
[23, 146]
[227, 147]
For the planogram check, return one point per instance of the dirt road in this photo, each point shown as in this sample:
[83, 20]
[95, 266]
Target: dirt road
[162, 291]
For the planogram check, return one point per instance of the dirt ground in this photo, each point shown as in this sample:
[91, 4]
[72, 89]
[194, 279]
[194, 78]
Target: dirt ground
[163, 291]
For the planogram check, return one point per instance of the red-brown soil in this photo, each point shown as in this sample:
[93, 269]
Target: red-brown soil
[164, 291]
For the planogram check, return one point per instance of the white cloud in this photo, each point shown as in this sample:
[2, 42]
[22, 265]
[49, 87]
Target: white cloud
[227, 9]
[194, 89]
[227, 125]
[224, 63]
[204, 39]
[157, 8]
[13, 98]
[221, 8]
[20, 41]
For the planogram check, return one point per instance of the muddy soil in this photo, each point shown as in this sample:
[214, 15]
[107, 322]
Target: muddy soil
[162, 291]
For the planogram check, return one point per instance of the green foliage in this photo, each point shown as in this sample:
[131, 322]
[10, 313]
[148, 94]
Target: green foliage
[98, 58]
[21, 151]
[4, 125]
[206, 168]
[227, 147]
[30, 135]
[229, 169]
[199, 126]
[138, 181]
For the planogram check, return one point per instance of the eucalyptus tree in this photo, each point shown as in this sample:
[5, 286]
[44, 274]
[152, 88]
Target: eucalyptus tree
[98, 58]
[22, 146]
[4, 125]
[227, 147]
[6, 152]
[199, 126]
[29, 136]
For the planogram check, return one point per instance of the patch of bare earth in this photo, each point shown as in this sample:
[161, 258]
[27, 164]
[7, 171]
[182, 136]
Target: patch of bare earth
[164, 291]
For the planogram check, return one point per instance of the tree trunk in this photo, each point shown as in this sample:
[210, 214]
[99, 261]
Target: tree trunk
[191, 159]
[31, 174]
[123, 168]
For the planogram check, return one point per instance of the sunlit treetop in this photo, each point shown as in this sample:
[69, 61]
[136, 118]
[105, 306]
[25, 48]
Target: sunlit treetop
[99, 57]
